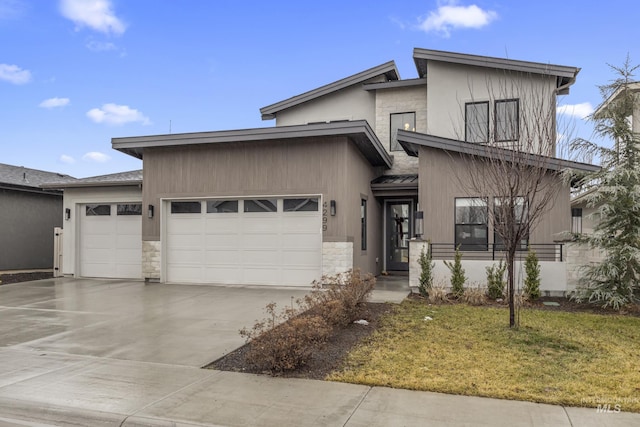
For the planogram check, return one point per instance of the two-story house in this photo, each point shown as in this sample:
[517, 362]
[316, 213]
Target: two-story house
[336, 183]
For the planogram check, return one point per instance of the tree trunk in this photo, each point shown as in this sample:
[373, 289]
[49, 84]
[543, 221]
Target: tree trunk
[510, 280]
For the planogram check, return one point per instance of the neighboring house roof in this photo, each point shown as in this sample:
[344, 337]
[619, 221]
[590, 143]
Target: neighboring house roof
[566, 75]
[115, 179]
[26, 179]
[632, 86]
[358, 131]
[394, 84]
[388, 69]
[411, 141]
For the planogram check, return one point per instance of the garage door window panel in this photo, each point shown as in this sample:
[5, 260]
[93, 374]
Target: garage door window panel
[301, 205]
[222, 206]
[98, 210]
[129, 209]
[261, 205]
[186, 207]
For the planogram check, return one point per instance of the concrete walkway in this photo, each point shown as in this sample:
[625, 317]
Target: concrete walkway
[108, 353]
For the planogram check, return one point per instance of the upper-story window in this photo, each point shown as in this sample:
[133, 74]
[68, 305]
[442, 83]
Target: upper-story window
[506, 117]
[476, 121]
[404, 121]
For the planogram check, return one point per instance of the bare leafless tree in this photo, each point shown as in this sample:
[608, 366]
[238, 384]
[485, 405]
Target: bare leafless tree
[513, 163]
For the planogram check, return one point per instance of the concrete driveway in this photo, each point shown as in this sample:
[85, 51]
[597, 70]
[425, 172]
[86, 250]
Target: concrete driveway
[130, 320]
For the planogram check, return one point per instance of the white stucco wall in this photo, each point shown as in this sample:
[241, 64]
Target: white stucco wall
[553, 274]
[73, 198]
[450, 86]
[351, 103]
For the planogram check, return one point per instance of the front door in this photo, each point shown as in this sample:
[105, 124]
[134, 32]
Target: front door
[399, 216]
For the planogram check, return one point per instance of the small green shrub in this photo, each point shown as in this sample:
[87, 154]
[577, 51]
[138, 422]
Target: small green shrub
[495, 280]
[458, 277]
[532, 279]
[426, 270]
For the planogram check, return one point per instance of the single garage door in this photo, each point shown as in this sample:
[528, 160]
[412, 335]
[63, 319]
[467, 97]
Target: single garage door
[270, 241]
[111, 240]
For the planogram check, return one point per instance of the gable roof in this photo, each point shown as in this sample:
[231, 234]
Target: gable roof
[388, 69]
[115, 179]
[411, 141]
[19, 177]
[565, 75]
[631, 86]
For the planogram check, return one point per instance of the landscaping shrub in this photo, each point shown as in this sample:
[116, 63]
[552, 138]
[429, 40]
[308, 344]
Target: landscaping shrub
[495, 280]
[286, 340]
[475, 295]
[458, 277]
[438, 294]
[532, 278]
[426, 270]
[340, 299]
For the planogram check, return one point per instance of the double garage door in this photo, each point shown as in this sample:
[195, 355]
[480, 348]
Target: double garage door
[270, 241]
[110, 240]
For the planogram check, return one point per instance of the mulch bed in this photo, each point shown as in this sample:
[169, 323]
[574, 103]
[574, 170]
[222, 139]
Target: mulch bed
[325, 360]
[6, 279]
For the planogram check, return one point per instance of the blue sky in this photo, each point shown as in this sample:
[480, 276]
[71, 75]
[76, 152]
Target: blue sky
[75, 73]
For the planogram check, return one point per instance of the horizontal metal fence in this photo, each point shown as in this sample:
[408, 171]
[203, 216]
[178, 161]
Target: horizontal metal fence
[495, 252]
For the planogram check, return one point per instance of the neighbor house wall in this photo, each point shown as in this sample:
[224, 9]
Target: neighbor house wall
[27, 220]
[412, 99]
[450, 86]
[441, 180]
[306, 166]
[73, 199]
[351, 103]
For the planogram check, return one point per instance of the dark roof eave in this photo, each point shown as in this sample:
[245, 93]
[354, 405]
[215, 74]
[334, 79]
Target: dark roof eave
[411, 141]
[30, 189]
[412, 186]
[388, 69]
[567, 73]
[94, 184]
[135, 146]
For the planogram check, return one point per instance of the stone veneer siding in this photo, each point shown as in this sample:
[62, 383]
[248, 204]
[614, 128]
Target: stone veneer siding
[578, 256]
[151, 260]
[337, 257]
[400, 100]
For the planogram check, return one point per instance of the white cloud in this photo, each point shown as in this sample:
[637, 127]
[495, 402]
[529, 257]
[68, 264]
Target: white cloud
[114, 114]
[54, 102]
[95, 14]
[96, 46]
[450, 16]
[14, 74]
[67, 159]
[96, 156]
[580, 111]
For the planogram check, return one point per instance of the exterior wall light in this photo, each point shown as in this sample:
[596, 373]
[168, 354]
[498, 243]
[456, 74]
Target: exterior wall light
[332, 208]
[150, 212]
[419, 224]
[67, 214]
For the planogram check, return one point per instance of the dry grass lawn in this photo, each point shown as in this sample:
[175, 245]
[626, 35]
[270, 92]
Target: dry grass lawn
[575, 359]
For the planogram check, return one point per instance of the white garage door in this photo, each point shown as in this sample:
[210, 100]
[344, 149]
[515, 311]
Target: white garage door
[111, 240]
[275, 241]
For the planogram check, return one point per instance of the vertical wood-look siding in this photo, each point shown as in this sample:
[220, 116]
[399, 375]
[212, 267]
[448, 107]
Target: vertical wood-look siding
[440, 175]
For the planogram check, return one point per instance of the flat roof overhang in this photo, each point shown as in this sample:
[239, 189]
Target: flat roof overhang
[358, 131]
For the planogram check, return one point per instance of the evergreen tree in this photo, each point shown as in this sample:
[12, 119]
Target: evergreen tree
[615, 195]
[458, 277]
[532, 279]
[426, 270]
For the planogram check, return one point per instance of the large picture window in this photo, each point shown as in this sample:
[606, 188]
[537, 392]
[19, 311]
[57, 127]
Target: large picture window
[476, 121]
[404, 121]
[501, 213]
[506, 118]
[471, 224]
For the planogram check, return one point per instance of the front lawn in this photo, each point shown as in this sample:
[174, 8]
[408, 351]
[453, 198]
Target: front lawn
[567, 358]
